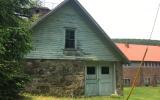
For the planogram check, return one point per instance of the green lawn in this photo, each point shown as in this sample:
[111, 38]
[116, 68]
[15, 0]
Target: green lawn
[140, 93]
[144, 93]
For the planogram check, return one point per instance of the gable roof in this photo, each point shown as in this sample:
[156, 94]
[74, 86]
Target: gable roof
[90, 19]
[135, 52]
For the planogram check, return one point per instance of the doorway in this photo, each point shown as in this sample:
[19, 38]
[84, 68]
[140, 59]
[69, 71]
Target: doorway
[99, 80]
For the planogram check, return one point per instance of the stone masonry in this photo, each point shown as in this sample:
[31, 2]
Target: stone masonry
[119, 78]
[56, 77]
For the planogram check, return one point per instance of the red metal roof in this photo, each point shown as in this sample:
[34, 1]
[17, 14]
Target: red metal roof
[135, 52]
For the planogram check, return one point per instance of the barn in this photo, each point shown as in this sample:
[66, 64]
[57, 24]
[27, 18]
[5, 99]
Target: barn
[72, 55]
[150, 70]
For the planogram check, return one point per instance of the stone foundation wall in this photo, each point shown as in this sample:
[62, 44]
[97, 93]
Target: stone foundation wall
[119, 78]
[56, 77]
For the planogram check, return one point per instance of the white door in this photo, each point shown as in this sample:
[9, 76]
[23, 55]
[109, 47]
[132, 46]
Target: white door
[99, 80]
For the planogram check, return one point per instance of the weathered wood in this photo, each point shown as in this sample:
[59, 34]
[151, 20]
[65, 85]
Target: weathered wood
[92, 46]
[49, 38]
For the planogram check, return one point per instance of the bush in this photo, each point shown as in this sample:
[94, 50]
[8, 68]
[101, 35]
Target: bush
[10, 87]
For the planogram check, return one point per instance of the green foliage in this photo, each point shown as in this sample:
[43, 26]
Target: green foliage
[15, 42]
[138, 41]
[11, 85]
[11, 12]
[34, 18]
[36, 3]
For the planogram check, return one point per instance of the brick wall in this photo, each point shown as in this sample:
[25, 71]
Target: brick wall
[150, 73]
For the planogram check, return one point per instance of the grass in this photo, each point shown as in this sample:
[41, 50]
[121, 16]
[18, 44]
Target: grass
[31, 97]
[140, 93]
[144, 93]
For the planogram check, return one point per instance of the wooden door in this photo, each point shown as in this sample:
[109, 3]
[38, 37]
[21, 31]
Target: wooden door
[99, 80]
[91, 81]
[105, 80]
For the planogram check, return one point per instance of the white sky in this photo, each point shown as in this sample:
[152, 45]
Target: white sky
[123, 18]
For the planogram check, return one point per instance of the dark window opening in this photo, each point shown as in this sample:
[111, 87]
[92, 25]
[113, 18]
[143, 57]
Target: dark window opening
[126, 82]
[105, 70]
[37, 11]
[147, 81]
[91, 70]
[70, 38]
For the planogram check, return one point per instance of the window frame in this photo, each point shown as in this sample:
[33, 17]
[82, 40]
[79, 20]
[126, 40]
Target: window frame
[66, 39]
[126, 81]
[108, 70]
[147, 80]
[91, 67]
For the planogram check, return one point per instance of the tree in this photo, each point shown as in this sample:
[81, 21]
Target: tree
[36, 3]
[15, 42]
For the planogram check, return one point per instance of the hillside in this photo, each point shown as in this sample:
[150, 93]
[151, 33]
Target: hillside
[138, 41]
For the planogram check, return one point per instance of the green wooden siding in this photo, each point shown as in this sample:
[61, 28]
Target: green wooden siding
[49, 38]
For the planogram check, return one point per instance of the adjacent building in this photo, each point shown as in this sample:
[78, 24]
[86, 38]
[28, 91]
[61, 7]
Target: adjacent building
[41, 11]
[150, 70]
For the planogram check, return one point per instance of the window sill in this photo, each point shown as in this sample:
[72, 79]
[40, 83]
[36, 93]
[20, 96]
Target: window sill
[71, 52]
[70, 49]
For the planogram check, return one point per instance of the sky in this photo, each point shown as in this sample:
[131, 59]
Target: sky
[122, 18]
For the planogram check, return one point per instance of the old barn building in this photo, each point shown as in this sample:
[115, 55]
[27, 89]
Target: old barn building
[151, 68]
[41, 11]
[72, 55]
